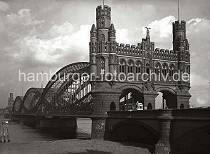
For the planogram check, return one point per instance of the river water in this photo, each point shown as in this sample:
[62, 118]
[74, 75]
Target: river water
[27, 140]
[20, 133]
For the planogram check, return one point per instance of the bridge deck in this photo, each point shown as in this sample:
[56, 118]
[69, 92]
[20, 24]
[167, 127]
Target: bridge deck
[191, 114]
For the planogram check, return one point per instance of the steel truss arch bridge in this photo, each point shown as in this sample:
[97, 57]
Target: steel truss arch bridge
[68, 92]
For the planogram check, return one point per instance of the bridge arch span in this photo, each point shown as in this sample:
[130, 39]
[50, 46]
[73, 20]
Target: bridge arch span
[195, 140]
[134, 131]
[66, 91]
[16, 108]
[30, 99]
[63, 73]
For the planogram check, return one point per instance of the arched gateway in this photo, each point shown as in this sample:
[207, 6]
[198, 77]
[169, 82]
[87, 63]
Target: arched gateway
[119, 69]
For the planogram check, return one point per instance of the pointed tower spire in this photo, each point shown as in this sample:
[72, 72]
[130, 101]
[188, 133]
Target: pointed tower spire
[93, 33]
[112, 27]
[112, 33]
[93, 28]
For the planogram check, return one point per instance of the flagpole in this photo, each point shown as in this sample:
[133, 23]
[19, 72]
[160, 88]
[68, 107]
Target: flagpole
[178, 9]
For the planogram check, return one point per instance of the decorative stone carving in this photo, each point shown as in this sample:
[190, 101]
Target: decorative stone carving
[149, 86]
[100, 126]
[182, 90]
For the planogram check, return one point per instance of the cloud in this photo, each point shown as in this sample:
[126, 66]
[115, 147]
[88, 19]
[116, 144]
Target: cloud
[122, 35]
[65, 29]
[162, 28]
[198, 34]
[24, 17]
[198, 30]
[197, 79]
[201, 101]
[59, 42]
[161, 32]
[2, 84]
[4, 6]
[196, 25]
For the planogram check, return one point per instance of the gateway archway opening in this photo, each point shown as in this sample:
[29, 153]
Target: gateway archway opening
[166, 100]
[131, 100]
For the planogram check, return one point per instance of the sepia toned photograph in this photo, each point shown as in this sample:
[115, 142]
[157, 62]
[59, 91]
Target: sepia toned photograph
[105, 77]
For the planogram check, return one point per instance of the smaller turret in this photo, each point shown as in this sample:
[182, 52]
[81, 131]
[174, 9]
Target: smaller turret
[93, 34]
[180, 42]
[112, 33]
[93, 28]
[103, 16]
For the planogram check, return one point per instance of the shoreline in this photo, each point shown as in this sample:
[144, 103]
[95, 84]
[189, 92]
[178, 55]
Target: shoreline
[71, 146]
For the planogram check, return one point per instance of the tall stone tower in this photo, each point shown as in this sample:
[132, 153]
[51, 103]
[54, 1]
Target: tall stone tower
[102, 43]
[10, 101]
[181, 47]
[103, 60]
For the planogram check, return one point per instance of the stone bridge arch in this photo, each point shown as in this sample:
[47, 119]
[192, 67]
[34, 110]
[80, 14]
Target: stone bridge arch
[195, 140]
[131, 130]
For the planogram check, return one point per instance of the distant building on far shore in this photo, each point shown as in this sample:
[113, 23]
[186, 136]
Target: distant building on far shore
[10, 102]
[1, 111]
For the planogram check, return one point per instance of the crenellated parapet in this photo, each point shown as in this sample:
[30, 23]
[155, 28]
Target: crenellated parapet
[129, 50]
[133, 50]
[164, 54]
[136, 50]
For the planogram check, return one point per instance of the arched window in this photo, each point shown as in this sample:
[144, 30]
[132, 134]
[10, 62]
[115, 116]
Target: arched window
[102, 64]
[122, 66]
[102, 36]
[130, 66]
[171, 70]
[157, 68]
[138, 67]
[129, 95]
[149, 106]
[112, 106]
[147, 68]
[165, 69]
[103, 22]
[182, 68]
[188, 69]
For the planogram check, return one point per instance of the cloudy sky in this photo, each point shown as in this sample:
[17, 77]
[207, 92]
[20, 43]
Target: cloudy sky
[44, 35]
